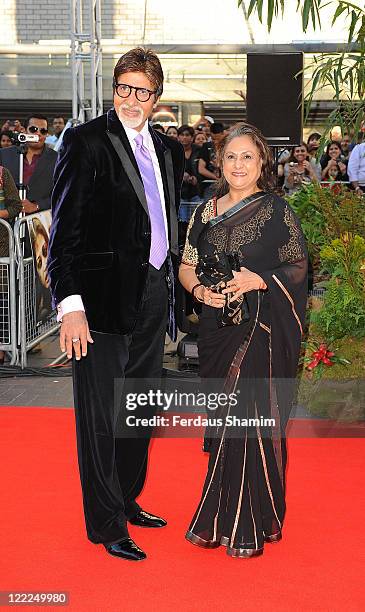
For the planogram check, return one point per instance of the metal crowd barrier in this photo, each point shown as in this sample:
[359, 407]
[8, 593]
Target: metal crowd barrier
[335, 183]
[30, 332]
[186, 210]
[8, 339]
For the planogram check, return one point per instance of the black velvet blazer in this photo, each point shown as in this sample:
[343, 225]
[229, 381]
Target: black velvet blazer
[100, 235]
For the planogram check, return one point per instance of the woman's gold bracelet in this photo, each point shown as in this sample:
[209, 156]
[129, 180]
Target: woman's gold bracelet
[193, 292]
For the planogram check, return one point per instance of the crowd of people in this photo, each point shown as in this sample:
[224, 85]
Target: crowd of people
[342, 163]
[296, 167]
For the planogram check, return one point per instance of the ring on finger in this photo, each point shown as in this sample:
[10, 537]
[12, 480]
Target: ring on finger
[75, 340]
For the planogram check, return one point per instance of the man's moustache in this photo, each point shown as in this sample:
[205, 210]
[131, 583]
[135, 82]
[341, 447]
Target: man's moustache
[135, 109]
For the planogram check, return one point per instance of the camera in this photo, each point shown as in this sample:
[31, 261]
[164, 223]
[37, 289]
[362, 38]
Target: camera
[19, 139]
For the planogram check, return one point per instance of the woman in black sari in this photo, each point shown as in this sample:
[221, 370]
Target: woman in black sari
[243, 499]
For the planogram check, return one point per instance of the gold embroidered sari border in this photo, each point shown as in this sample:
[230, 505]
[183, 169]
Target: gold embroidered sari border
[242, 553]
[284, 289]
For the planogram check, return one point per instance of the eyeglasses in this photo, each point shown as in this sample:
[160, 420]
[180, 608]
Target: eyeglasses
[142, 94]
[33, 129]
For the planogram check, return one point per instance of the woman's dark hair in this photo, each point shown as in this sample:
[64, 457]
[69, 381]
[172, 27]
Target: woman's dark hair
[7, 133]
[314, 136]
[291, 157]
[266, 181]
[197, 132]
[326, 157]
[171, 127]
[141, 60]
[186, 128]
[333, 143]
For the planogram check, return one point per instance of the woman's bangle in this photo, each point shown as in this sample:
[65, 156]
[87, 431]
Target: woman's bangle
[193, 291]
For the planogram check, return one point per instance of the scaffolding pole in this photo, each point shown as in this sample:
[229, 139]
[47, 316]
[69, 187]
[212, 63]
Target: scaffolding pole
[86, 60]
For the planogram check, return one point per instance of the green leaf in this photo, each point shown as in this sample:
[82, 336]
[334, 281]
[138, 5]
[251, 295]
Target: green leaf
[305, 14]
[270, 13]
[259, 6]
[353, 25]
[251, 7]
[340, 9]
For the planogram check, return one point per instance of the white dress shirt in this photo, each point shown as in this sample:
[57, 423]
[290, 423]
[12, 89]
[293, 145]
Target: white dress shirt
[356, 165]
[74, 302]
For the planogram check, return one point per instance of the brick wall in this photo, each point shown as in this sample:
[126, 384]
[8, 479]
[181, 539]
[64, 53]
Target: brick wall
[165, 22]
[34, 20]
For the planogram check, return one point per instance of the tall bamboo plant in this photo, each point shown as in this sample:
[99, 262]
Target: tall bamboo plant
[344, 71]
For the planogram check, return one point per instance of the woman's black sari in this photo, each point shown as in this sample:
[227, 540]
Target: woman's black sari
[243, 500]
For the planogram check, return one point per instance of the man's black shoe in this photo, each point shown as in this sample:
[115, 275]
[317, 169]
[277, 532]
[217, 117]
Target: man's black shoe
[126, 549]
[145, 519]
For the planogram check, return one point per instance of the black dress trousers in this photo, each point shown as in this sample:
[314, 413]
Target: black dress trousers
[113, 467]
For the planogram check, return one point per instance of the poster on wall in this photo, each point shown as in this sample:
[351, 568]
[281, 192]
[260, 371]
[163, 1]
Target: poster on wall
[38, 226]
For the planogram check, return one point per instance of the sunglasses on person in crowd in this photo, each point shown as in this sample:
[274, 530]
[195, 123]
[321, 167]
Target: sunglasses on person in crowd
[33, 129]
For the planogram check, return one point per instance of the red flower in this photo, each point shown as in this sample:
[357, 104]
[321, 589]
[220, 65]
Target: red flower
[321, 355]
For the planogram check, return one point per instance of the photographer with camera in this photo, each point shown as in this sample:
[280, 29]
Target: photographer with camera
[334, 158]
[39, 162]
[300, 169]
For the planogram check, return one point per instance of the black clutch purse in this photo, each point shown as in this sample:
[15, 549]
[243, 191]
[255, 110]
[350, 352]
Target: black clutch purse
[214, 271]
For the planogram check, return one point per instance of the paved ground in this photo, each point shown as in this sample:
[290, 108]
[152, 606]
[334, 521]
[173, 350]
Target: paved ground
[51, 391]
[56, 391]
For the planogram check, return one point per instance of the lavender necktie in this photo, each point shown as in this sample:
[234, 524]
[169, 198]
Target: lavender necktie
[158, 250]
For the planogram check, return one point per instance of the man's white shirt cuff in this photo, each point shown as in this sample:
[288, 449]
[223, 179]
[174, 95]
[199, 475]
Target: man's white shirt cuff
[70, 304]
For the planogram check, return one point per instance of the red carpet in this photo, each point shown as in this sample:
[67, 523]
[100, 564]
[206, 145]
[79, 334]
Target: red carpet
[319, 565]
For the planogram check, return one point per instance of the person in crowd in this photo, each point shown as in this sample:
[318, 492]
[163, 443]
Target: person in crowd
[158, 127]
[6, 139]
[199, 139]
[58, 125]
[207, 130]
[172, 132]
[189, 191]
[114, 235]
[250, 330]
[10, 207]
[299, 169]
[203, 125]
[18, 127]
[313, 143]
[8, 126]
[345, 146]
[39, 163]
[334, 157]
[356, 168]
[13, 126]
[207, 167]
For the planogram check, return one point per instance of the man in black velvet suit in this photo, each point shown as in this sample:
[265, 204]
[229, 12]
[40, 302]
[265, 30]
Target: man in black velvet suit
[112, 246]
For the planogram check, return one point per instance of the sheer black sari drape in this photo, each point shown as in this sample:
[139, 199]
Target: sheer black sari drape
[243, 499]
